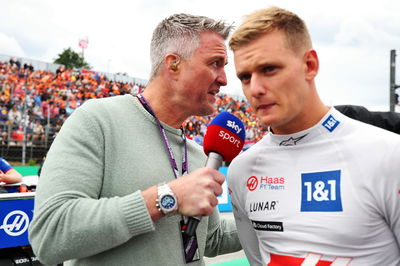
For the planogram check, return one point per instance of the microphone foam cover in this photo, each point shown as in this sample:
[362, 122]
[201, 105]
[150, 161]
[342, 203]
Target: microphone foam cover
[225, 135]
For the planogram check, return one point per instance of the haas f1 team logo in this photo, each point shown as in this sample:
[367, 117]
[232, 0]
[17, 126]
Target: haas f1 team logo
[15, 223]
[265, 183]
[252, 183]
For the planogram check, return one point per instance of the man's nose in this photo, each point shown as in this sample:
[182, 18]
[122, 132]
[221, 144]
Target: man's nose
[257, 86]
[221, 78]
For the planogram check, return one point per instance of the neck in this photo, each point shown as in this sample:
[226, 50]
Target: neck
[164, 109]
[314, 110]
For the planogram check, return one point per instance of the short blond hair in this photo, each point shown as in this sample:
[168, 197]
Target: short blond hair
[270, 19]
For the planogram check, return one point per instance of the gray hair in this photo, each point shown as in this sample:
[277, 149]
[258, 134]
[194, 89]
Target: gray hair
[180, 34]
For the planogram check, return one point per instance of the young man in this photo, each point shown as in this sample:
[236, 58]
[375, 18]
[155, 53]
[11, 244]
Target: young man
[120, 177]
[320, 188]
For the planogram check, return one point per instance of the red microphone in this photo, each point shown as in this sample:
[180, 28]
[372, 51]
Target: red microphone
[223, 141]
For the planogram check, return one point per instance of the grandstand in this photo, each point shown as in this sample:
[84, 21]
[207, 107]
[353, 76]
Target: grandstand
[37, 97]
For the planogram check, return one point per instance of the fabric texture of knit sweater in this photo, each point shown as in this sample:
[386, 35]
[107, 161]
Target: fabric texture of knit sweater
[88, 206]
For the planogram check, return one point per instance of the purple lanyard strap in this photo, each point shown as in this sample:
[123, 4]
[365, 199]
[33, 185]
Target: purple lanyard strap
[166, 142]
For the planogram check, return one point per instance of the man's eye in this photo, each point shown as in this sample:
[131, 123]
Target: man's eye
[245, 77]
[217, 63]
[268, 69]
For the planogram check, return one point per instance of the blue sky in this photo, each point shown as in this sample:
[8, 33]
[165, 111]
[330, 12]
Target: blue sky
[352, 38]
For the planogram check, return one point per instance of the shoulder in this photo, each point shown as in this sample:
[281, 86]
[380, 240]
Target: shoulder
[358, 126]
[251, 152]
[386, 120]
[4, 163]
[248, 158]
[361, 136]
[3, 160]
[107, 103]
[106, 107]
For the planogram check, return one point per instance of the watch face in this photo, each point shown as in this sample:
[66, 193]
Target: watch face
[167, 202]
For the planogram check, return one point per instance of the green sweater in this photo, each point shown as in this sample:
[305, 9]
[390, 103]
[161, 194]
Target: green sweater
[88, 205]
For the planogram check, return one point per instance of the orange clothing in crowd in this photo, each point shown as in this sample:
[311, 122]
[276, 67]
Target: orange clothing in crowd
[68, 89]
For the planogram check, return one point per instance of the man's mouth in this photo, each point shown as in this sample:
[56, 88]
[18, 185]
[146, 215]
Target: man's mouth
[265, 106]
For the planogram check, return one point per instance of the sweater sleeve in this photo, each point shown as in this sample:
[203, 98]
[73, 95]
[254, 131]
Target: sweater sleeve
[70, 219]
[222, 235]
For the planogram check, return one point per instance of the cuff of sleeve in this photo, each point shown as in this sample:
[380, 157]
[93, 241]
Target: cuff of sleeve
[136, 214]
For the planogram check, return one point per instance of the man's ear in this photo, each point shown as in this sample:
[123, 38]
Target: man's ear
[172, 62]
[312, 64]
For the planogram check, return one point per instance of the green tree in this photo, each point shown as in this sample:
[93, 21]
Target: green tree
[71, 59]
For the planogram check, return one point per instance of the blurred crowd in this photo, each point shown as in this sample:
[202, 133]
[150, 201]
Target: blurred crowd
[38, 102]
[196, 126]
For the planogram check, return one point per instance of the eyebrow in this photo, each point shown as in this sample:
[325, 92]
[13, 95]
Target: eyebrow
[221, 58]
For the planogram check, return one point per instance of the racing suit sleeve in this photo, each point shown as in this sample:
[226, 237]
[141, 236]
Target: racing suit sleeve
[388, 191]
[247, 235]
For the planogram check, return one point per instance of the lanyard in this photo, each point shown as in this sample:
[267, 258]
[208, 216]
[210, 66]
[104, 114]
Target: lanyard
[166, 142]
[190, 245]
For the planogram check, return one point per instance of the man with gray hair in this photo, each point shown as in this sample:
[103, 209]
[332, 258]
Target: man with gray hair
[121, 179]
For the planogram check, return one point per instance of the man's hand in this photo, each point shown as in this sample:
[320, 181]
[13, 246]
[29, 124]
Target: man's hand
[197, 192]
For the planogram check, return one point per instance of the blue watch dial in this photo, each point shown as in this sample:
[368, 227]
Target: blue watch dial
[167, 202]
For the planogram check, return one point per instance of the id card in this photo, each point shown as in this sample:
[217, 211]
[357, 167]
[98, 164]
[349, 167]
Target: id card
[190, 245]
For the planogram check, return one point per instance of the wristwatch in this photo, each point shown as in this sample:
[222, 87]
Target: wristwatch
[166, 201]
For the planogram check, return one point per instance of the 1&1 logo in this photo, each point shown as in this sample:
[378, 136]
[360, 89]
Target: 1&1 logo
[320, 192]
[331, 123]
[15, 223]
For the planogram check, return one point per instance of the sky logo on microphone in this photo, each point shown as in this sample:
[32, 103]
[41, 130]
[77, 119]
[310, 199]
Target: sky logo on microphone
[231, 123]
[225, 135]
[234, 126]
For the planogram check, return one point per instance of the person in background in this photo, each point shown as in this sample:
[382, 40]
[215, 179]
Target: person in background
[14, 117]
[8, 174]
[121, 178]
[386, 120]
[320, 188]
[38, 133]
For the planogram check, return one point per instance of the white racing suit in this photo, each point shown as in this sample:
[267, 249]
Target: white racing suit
[328, 195]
